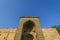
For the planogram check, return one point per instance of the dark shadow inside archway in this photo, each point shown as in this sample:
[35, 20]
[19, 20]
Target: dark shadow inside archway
[27, 27]
[29, 37]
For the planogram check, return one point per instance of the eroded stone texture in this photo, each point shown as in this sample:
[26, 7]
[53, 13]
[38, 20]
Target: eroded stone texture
[9, 33]
[51, 34]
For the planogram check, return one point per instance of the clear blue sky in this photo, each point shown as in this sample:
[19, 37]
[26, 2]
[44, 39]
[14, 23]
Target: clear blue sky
[47, 10]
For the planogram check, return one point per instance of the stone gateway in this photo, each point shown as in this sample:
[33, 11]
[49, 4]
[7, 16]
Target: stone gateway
[29, 29]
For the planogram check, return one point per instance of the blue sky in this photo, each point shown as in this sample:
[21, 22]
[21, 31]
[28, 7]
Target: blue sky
[47, 10]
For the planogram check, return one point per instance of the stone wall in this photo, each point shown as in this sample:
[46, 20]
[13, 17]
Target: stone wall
[9, 34]
[50, 34]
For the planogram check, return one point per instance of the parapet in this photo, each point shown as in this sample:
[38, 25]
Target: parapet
[29, 17]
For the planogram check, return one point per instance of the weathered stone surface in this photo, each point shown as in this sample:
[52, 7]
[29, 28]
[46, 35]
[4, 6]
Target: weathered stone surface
[49, 33]
[7, 33]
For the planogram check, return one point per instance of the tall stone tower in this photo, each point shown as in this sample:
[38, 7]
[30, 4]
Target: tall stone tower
[29, 29]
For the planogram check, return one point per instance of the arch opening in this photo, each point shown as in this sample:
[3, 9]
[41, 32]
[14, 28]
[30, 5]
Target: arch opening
[27, 28]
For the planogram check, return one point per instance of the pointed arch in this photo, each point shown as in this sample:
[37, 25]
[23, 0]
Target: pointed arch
[28, 25]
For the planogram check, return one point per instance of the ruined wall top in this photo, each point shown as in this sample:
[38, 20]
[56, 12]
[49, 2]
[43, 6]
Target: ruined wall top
[29, 17]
